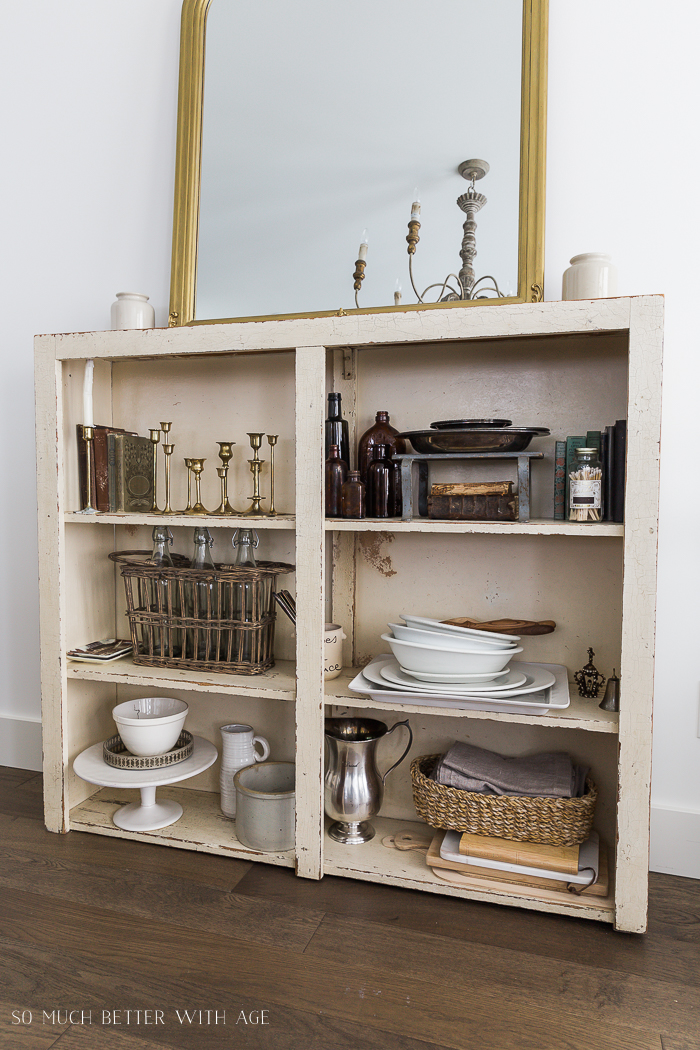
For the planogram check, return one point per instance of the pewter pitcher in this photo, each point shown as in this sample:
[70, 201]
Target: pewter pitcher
[354, 787]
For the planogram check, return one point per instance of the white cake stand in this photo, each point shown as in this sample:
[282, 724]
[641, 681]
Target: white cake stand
[146, 815]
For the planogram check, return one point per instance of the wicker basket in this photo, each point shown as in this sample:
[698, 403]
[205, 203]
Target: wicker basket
[549, 821]
[201, 619]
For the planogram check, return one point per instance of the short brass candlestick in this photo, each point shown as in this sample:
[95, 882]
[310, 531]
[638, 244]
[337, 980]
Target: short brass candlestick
[88, 438]
[188, 464]
[168, 451]
[256, 465]
[155, 438]
[225, 454]
[197, 466]
[272, 441]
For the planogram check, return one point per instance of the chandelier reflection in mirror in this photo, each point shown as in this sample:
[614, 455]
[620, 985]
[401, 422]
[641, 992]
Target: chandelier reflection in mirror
[456, 286]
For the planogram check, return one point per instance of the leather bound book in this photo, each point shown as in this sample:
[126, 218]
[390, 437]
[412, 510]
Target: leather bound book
[99, 448]
[559, 480]
[609, 474]
[619, 466]
[130, 468]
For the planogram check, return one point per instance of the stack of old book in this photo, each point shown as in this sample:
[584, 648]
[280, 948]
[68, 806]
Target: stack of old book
[122, 471]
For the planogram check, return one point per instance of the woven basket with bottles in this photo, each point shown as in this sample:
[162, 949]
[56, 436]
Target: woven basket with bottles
[220, 619]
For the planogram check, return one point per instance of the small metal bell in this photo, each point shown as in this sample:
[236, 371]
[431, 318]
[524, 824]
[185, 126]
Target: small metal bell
[611, 700]
[589, 679]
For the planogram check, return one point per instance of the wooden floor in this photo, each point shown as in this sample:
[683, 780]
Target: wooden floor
[96, 925]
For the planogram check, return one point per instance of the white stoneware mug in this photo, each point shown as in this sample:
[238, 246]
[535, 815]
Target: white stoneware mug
[590, 276]
[333, 638]
[132, 310]
[237, 751]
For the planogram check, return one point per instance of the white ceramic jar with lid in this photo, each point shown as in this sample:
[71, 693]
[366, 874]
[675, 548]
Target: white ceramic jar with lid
[132, 310]
[590, 276]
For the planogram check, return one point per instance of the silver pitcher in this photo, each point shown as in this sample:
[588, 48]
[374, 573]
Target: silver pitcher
[354, 787]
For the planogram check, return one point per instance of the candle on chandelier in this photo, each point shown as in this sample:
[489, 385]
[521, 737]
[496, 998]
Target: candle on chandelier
[88, 419]
[397, 293]
[415, 211]
[362, 254]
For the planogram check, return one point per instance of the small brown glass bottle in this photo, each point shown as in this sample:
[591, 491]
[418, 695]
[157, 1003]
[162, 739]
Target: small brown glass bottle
[380, 433]
[352, 496]
[395, 494]
[336, 472]
[378, 483]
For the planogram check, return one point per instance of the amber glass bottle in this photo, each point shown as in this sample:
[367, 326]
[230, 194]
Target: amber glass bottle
[337, 429]
[380, 433]
[352, 496]
[336, 472]
[379, 483]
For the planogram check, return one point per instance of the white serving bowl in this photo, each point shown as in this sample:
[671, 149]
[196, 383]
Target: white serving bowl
[456, 679]
[150, 725]
[414, 657]
[443, 640]
[423, 623]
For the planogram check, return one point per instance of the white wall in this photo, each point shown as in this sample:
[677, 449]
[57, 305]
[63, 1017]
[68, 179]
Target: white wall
[89, 135]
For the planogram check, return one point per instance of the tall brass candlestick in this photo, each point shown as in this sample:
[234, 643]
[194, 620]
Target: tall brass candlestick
[188, 464]
[168, 451]
[225, 454]
[88, 438]
[272, 441]
[256, 465]
[155, 438]
[197, 466]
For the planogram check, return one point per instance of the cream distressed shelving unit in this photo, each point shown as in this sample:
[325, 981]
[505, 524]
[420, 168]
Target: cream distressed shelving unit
[571, 366]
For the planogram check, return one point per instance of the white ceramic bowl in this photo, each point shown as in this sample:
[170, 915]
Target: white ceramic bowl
[414, 657]
[443, 640]
[456, 679]
[150, 725]
[423, 623]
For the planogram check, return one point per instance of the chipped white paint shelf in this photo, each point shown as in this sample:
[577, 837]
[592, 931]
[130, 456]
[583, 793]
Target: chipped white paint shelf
[282, 521]
[202, 826]
[279, 683]
[534, 527]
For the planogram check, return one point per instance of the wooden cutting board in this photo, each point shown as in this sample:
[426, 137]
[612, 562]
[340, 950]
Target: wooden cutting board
[505, 626]
[452, 871]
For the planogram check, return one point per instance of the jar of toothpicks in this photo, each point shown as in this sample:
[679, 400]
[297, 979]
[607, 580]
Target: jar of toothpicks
[585, 486]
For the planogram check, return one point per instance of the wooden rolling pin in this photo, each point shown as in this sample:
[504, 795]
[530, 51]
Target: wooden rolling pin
[505, 626]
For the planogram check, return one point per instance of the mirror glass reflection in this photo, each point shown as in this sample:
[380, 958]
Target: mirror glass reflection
[325, 120]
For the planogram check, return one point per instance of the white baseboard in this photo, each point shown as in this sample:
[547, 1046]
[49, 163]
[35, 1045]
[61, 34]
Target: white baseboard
[20, 742]
[675, 842]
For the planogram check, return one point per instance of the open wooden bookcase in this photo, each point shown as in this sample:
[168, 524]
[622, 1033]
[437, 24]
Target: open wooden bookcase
[570, 366]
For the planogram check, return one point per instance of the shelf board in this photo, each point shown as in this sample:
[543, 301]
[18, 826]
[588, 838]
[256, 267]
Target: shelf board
[374, 862]
[211, 521]
[581, 714]
[202, 826]
[279, 683]
[534, 527]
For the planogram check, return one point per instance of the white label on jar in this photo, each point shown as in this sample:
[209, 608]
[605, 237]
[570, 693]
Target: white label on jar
[585, 494]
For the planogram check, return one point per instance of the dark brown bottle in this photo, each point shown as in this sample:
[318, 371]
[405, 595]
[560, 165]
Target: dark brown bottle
[395, 500]
[378, 482]
[352, 496]
[337, 429]
[380, 433]
[336, 472]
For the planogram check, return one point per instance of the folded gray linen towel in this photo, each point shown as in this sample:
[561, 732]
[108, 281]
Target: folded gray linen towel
[551, 774]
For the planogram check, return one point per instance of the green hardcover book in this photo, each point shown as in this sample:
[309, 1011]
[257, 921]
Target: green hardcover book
[593, 440]
[559, 480]
[572, 443]
[130, 467]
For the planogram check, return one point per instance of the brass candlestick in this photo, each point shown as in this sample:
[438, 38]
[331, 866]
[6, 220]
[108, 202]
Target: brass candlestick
[272, 441]
[88, 438]
[197, 466]
[256, 465]
[188, 464]
[168, 451]
[225, 454]
[155, 438]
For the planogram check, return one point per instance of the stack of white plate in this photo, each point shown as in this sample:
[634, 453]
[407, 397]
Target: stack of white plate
[460, 666]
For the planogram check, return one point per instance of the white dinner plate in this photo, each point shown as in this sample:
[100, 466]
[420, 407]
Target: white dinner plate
[451, 628]
[456, 679]
[393, 673]
[538, 678]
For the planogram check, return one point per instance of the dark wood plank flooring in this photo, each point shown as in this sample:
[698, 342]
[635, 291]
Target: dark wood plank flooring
[98, 934]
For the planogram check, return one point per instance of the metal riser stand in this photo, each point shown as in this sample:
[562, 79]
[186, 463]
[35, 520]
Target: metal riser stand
[422, 460]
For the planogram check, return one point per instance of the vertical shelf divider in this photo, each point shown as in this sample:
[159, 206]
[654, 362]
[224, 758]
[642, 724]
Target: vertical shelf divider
[310, 540]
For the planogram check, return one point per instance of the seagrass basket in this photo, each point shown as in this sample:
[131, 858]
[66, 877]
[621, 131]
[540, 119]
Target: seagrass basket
[549, 821]
[219, 619]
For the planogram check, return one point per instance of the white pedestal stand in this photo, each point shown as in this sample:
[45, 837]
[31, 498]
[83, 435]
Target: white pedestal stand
[146, 815]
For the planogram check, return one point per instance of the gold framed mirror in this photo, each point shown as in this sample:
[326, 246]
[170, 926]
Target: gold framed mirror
[290, 145]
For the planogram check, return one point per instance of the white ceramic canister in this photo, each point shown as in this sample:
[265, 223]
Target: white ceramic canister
[333, 638]
[590, 276]
[237, 751]
[132, 310]
[265, 801]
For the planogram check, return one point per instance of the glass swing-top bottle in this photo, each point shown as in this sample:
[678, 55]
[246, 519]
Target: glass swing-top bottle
[245, 607]
[164, 598]
[200, 597]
